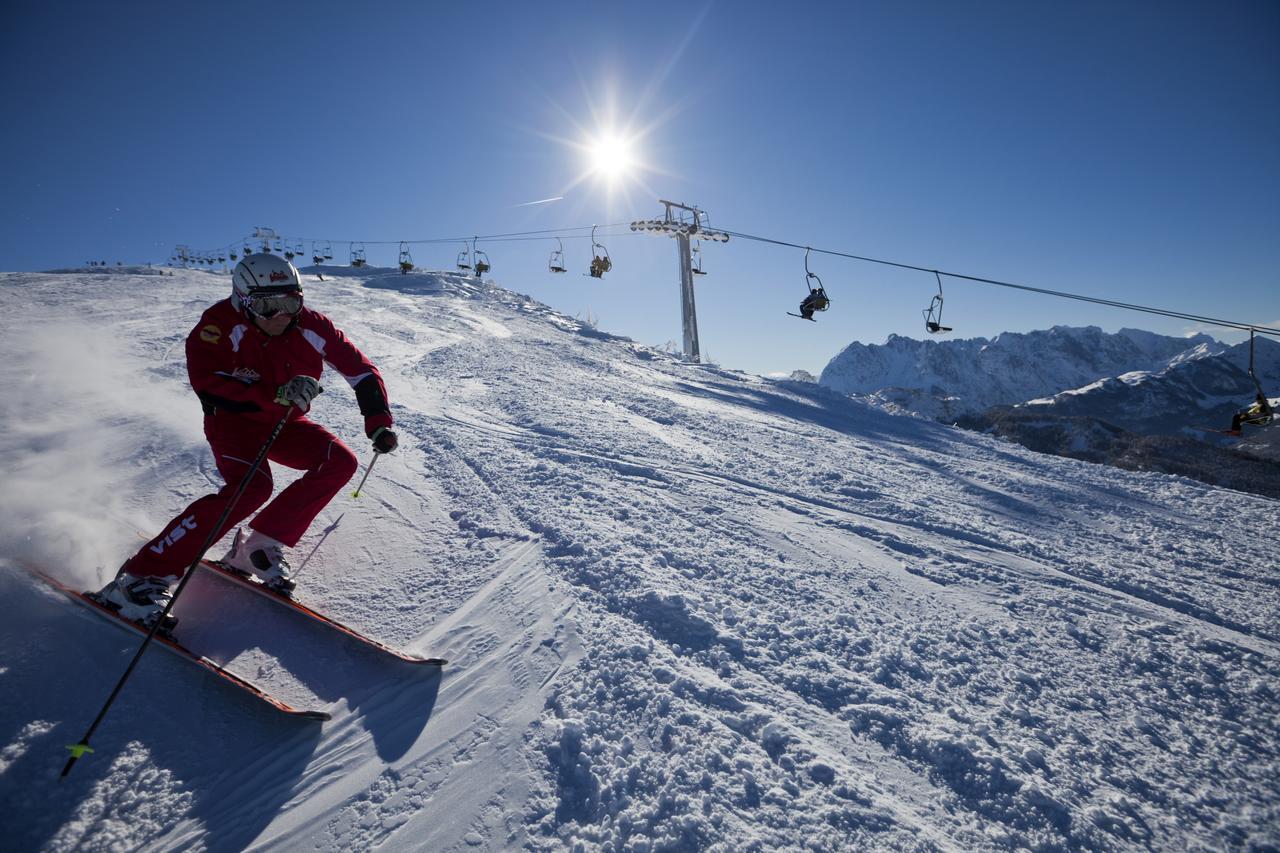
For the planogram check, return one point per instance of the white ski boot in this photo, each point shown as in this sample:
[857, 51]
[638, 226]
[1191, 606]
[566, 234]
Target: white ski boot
[141, 599]
[260, 556]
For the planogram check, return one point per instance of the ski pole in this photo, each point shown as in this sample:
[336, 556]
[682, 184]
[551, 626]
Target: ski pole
[356, 493]
[82, 747]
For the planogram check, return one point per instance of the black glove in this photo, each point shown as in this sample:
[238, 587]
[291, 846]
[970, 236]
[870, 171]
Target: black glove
[298, 391]
[384, 440]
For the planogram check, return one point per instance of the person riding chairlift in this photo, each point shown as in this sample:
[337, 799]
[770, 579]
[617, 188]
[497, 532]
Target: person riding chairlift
[815, 301]
[1259, 413]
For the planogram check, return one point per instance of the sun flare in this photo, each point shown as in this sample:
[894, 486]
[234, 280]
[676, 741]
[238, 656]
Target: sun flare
[611, 156]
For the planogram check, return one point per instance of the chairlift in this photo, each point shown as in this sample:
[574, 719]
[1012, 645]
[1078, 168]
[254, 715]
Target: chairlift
[1266, 414]
[325, 251]
[464, 258]
[406, 260]
[317, 257]
[234, 256]
[357, 254]
[817, 299]
[278, 245]
[933, 314]
[695, 255]
[556, 263]
[247, 250]
[601, 263]
[479, 258]
[288, 252]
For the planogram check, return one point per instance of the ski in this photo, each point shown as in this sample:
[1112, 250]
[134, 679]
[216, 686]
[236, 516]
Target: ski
[175, 647]
[1232, 433]
[298, 607]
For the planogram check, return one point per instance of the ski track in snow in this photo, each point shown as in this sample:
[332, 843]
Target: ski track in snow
[684, 608]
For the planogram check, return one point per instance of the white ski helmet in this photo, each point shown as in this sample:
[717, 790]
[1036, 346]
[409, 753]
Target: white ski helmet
[263, 274]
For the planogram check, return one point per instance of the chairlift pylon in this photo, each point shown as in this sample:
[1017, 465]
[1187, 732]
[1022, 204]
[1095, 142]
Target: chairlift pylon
[556, 262]
[601, 263]
[817, 299]
[933, 314]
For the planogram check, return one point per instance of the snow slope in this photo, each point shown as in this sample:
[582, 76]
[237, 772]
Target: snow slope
[685, 608]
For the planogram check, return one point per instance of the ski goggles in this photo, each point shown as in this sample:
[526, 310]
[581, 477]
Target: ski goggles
[268, 305]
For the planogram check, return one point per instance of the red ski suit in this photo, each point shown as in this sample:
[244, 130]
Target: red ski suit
[236, 369]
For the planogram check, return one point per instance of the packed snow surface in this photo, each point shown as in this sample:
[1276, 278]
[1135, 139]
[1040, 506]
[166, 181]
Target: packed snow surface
[685, 608]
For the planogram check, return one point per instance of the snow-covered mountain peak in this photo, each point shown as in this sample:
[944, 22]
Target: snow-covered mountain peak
[967, 376]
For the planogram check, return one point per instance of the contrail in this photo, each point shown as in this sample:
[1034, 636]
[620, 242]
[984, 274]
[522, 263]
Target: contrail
[539, 201]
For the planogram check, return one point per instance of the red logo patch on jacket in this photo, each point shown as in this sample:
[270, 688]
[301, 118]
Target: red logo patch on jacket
[276, 275]
[210, 334]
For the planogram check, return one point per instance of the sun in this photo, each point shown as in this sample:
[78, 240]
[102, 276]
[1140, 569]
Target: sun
[611, 156]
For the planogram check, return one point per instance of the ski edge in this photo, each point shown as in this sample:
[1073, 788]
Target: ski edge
[222, 571]
[176, 648]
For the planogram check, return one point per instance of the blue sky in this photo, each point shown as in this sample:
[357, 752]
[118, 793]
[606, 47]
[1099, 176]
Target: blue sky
[1123, 150]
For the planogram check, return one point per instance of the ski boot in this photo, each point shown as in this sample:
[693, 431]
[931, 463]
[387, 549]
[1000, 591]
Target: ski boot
[258, 555]
[140, 599]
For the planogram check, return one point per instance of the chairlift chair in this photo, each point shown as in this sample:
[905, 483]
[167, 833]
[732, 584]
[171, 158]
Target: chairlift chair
[406, 260]
[480, 259]
[696, 258]
[933, 314]
[326, 251]
[556, 263]
[1267, 415]
[464, 258]
[601, 263]
[357, 254]
[817, 299]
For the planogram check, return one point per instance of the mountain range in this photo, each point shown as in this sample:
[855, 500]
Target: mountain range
[1132, 398]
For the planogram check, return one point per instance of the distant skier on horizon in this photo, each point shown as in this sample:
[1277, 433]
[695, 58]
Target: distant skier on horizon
[249, 359]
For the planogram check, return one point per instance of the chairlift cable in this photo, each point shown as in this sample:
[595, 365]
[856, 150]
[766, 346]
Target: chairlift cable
[1179, 315]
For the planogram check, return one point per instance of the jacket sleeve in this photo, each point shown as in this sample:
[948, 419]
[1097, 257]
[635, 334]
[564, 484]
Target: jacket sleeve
[360, 373]
[211, 369]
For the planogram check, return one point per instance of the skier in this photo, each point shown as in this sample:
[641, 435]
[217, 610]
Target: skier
[1259, 413]
[251, 359]
[815, 301]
